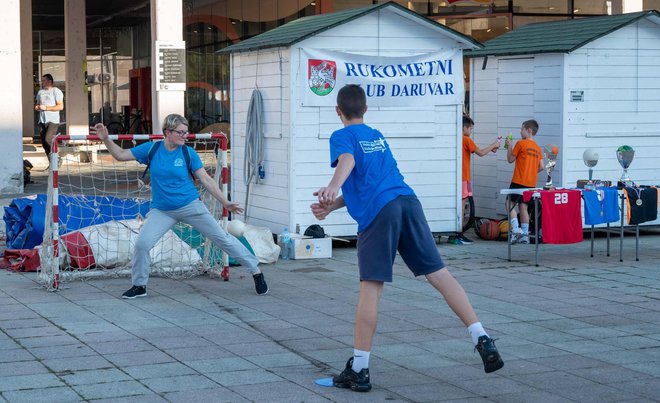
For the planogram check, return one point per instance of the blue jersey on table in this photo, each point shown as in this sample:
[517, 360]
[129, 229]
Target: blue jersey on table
[601, 205]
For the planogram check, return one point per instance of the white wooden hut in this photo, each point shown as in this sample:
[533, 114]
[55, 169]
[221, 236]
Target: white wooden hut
[590, 83]
[423, 131]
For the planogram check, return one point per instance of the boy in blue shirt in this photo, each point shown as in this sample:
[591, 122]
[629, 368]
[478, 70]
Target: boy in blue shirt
[390, 218]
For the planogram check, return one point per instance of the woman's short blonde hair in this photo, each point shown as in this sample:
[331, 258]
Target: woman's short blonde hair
[173, 120]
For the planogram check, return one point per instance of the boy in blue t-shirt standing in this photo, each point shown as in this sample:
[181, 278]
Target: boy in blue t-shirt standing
[390, 218]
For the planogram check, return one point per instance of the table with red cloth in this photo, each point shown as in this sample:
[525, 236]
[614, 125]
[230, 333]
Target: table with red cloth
[561, 216]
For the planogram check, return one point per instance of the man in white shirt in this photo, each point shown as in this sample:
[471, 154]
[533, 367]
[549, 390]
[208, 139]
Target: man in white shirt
[49, 103]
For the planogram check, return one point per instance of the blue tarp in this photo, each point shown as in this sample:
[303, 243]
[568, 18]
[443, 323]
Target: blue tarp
[24, 217]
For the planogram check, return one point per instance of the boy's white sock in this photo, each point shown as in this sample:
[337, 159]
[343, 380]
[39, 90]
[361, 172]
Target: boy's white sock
[255, 271]
[514, 224]
[476, 331]
[525, 228]
[360, 360]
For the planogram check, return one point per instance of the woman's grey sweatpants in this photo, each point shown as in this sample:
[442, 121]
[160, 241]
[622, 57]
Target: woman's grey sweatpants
[196, 214]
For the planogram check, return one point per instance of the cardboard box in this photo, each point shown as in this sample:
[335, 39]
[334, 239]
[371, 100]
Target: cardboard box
[309, 248]
[312, 248]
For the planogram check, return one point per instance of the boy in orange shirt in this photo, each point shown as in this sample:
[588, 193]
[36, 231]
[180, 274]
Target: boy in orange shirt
[529, 162]
[469, 147]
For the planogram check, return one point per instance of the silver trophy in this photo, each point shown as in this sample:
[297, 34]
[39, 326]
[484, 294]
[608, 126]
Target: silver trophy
[625, 155]
[590, 158]
[550, 151]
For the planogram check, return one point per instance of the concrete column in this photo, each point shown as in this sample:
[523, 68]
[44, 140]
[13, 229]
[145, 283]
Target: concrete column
[75, 48]
[27, 69]
[166, 25]
[11, 136]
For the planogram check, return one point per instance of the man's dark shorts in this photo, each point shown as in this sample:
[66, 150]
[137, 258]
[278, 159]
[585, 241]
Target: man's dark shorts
[47, 132]
[400, 225]
[517, 199]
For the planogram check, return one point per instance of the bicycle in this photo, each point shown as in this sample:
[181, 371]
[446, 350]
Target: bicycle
[137, 125]
[198, 121]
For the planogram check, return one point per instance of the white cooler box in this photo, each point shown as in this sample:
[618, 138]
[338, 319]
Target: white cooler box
[309, 248]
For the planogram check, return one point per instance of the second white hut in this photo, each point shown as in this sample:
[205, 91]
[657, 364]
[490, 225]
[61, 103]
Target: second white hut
[590, 83]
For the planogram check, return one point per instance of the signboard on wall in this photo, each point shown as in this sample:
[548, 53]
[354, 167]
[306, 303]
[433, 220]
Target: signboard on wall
[171, 66]
[429, 79]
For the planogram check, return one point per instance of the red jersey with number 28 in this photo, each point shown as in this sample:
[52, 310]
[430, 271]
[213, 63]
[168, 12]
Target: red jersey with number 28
[561, 216]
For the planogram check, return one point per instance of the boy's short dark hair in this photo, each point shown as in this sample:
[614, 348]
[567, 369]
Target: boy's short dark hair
[352, 101]
[532, 125]
[467, 121]
[48, 77]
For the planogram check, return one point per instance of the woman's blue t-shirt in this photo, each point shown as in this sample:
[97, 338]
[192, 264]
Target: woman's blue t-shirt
[171, 185]
[375, 180]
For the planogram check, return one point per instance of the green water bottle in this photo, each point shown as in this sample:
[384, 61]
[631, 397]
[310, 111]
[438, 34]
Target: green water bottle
[510, 138]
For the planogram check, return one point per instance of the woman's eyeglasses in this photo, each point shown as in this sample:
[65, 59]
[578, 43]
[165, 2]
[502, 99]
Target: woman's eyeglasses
[181, 133]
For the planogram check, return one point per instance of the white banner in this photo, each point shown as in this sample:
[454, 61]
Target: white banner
[429, 79]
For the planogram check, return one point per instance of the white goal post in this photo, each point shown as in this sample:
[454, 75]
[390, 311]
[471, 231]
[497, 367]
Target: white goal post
[96, 205]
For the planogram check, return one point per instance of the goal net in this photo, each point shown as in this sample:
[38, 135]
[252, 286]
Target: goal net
[96, 207]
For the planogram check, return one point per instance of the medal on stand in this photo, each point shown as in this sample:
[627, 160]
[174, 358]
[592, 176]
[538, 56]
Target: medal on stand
[601, 199]
[638, 193]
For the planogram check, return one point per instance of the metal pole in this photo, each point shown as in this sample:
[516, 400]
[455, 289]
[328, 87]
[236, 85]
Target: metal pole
[508, 217]
[622, 197]
[637, 242]
[536, 226]
[608, 239]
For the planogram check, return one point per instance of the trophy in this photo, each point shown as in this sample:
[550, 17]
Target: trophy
[590, 157]
[625, 155]
[550, 151]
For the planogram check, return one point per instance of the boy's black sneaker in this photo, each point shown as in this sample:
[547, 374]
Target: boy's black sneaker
[135, 292]
[489, 354]
[357, 381]
[260, 284]
[454, 240]
[465, 240]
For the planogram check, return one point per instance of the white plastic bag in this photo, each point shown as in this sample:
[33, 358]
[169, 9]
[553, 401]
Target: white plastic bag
[261, 241]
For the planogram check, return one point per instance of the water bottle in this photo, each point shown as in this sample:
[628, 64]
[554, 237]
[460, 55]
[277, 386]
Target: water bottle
[510, 138]
[286, 244]
[499, 144]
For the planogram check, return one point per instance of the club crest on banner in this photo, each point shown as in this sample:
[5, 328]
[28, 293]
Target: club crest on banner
[321, 76]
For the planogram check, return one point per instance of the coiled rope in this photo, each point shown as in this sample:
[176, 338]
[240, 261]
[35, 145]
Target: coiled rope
[254, 140]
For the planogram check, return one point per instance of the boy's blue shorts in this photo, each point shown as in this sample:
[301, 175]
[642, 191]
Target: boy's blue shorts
[400, 225]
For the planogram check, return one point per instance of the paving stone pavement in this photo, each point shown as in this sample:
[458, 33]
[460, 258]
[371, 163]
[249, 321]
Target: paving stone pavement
[573, 329]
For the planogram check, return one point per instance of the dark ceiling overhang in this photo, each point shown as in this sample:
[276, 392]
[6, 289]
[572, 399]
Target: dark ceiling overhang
[48, 15]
